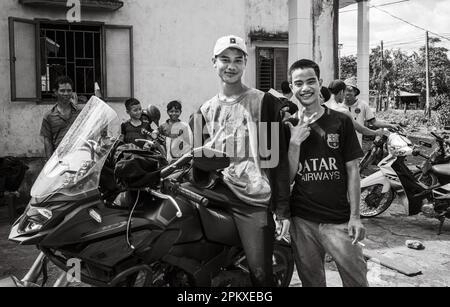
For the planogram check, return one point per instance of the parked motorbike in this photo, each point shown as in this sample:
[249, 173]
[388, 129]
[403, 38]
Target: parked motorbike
[375, 154]
[430, 171]
[160, 234]
[394, 178]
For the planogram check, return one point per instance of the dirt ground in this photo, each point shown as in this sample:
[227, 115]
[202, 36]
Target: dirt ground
[386, 235]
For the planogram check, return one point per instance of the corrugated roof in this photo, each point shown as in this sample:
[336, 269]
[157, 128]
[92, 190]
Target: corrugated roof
[406, 94]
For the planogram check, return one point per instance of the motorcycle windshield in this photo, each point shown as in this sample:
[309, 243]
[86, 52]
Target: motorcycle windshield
[76, 164]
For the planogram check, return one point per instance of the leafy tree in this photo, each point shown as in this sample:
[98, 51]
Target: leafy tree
[403, 71]
[349, 67]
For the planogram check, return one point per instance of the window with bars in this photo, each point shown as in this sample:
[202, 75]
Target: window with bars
[73, 51]
[271, 68]
[89, 53]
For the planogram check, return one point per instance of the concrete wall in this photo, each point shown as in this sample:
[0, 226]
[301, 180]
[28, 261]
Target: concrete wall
[173, 42]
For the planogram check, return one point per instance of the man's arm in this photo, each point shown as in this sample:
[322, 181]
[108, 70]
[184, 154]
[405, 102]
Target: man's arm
[48, 147]
[356, 229]
[381, 124]
[366, 131]
[46, 133]
[294, 158]
[361, 128]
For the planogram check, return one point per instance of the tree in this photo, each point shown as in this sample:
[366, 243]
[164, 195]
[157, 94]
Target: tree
[349, 67]
[406, 72]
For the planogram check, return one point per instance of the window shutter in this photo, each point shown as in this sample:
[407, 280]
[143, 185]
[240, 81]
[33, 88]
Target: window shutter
[281, 67]
[118, 63]
[264, 70]
[24, 59]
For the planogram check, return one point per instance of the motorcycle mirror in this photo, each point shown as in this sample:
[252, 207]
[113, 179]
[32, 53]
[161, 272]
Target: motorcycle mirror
[208, 159]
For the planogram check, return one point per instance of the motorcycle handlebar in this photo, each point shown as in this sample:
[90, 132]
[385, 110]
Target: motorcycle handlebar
[436, 136]
[192, 196]
[165, 172]
[417, 153]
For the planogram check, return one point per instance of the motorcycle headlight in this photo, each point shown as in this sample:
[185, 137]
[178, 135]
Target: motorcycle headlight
[34, 220]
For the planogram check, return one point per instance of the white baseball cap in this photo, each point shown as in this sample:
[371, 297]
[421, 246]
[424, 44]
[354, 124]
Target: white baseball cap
[231, 41]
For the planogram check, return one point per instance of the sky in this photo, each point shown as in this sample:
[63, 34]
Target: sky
[433, 15]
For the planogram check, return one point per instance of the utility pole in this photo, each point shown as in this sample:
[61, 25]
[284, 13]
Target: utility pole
[380, 84]
[427, 72]
[340, 46]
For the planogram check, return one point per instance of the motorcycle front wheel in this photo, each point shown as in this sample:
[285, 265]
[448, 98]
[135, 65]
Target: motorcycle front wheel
[374, 202]
[428, 179]
[367, 160]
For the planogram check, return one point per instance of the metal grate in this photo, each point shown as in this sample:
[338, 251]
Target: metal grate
[271, 68]
[72, 50]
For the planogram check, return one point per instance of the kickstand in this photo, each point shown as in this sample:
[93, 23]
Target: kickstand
[441, 225]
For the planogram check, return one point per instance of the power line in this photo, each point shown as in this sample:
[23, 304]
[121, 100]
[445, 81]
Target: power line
[380, 5]
[411, 24]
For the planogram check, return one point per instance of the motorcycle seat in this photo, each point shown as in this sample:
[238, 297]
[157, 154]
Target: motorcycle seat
[219, 226]
[442, 169]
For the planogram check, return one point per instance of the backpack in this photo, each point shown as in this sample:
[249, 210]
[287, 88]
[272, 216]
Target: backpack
[12, 173]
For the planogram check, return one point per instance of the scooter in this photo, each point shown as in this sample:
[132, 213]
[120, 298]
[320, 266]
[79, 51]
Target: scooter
[394, 178]
[158, 234]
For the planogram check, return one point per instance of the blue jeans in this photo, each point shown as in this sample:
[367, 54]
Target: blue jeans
[311, 241]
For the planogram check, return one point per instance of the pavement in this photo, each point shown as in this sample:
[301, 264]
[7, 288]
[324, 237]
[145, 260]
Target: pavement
[387, 235]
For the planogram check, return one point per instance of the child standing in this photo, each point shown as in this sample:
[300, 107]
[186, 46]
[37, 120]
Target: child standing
[134, 128]
[178, 135]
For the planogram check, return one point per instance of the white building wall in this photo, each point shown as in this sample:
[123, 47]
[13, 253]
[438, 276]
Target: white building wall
[173, 42]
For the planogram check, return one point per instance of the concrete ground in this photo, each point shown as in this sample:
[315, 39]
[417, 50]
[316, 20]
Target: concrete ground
[386, 234]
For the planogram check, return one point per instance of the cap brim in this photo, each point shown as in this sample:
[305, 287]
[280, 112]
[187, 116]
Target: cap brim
[219, 52]
[355, 88]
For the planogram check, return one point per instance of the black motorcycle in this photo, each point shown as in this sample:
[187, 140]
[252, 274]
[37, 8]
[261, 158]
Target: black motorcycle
[157, 233]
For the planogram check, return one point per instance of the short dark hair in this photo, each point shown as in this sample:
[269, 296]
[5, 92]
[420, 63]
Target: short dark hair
[325, 94]
[174, 105]
[337, 86]
[61, 80]
[285, 88]
[131, 102]
[302, 64]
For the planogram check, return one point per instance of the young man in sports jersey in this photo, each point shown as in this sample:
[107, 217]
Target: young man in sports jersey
[323, 157]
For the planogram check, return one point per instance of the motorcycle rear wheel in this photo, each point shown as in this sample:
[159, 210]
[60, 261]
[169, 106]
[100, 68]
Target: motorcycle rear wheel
[373, 202]
[283, 265]
[283, 269]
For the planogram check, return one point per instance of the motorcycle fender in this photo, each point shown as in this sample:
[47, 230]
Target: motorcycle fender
[376, 178]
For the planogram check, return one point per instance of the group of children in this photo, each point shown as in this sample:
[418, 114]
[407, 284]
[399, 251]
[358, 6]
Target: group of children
[144, 125]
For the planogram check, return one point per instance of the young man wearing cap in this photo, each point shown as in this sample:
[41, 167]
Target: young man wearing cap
[360, 110]
[240, 121]
[323, 155]
[337, 89]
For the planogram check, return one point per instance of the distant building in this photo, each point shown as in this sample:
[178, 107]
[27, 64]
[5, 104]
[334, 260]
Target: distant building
[411, 101]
